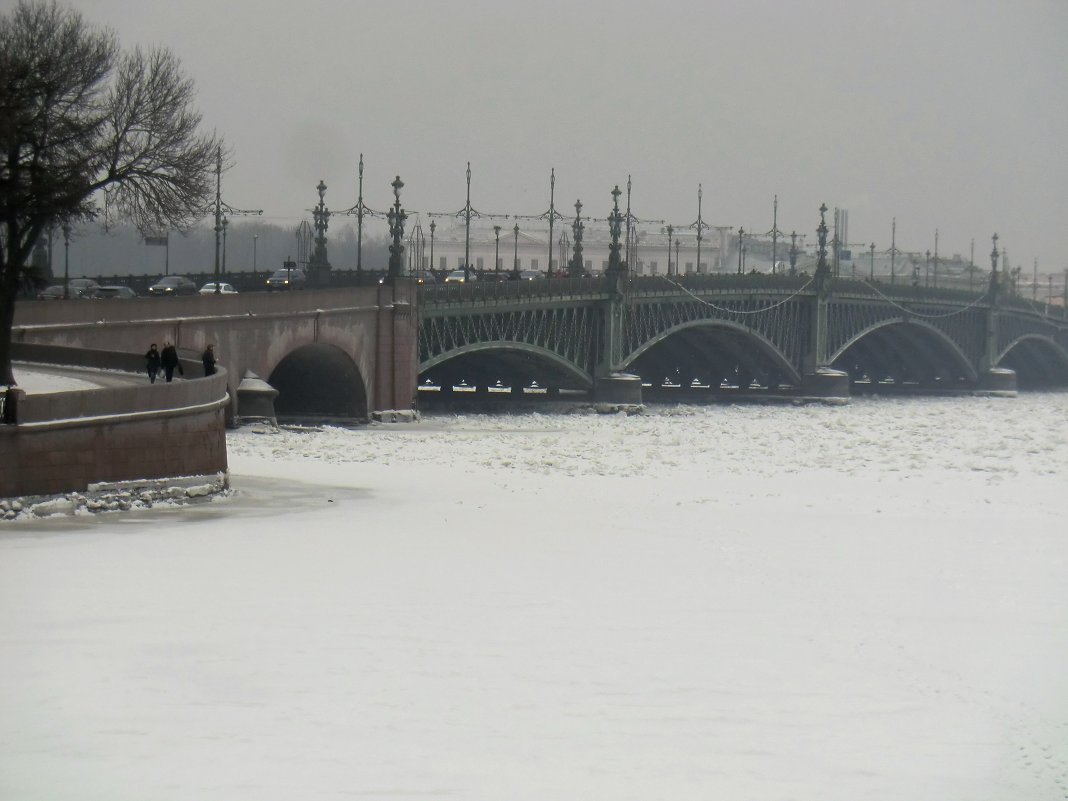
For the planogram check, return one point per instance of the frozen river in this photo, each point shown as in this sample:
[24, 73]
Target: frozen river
[734, 602]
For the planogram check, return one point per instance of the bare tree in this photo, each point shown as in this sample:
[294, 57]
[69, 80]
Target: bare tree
[79, 119]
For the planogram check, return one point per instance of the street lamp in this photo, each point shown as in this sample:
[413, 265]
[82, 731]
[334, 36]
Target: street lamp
[66, 261]
[741, 238]
[670, 232]
[255, 239]
[515, 254]
[678, 264]
[433, 225]
[872, 248]
[497, 250]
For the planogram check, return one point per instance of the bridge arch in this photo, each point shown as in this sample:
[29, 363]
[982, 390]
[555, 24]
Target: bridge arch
[905, 348]
[723, 342]
[510, 362]
[318, 380]
[1037, 360]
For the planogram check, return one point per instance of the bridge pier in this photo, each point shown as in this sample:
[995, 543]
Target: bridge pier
[997, 381]
[826, 384]
[617, 392]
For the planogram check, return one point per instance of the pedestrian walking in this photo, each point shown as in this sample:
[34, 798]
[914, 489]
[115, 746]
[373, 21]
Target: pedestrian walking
[208, 357]
[169, 361]
[152, 363]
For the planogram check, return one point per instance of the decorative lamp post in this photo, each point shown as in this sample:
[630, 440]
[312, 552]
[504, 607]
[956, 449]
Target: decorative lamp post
[433, 225]
[994, 283]
[577, 269]
[497, 250]
[255, 239]
[615, 226]
[66, 260]
[741, 238]
[678, 264]
[320, 263]
[793, 253]
[515, 253]
[927, 269]
[670, 232]
[871, 247]
[821, 237]
[396, 218]
[226, 224]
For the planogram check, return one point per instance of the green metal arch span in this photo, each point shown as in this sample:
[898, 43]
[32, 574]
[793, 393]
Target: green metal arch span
[765, 346]
[938, 336]
[585, 379]
[1048, 342]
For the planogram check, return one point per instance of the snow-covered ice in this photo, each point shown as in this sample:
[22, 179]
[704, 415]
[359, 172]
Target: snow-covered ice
[737, 602]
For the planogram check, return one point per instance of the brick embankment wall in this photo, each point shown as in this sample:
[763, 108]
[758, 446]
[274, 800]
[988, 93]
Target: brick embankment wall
[65, 441]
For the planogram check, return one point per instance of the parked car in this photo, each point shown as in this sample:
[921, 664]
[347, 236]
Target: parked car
[424, 277]
[111, 293]
[172, 285]
[224, 289]
[458, 277]
[286, 279]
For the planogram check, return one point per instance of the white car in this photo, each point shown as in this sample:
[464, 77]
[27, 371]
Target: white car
[224, 289]
[458, 277]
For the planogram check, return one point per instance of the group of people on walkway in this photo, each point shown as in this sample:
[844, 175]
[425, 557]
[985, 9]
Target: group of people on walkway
[167, 361]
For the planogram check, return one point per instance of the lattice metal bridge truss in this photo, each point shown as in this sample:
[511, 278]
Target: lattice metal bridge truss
[751, 333]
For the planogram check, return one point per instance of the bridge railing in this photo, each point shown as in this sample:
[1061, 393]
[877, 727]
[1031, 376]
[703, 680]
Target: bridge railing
[504, 290]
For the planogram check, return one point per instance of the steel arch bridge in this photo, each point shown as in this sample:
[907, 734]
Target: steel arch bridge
[772, 335]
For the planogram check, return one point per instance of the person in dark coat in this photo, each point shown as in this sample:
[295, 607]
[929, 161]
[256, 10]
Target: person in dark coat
[152, 362]
[208, 358]
[169, 361]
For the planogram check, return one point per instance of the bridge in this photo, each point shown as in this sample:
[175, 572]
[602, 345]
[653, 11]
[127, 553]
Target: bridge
[357, 352]
[625, 339]
[345, 353]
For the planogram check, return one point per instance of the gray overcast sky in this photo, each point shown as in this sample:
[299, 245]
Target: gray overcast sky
[948, 114]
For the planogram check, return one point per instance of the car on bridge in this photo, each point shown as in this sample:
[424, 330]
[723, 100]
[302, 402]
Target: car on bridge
[52, 293]
[224, 289]
[531, 275]
[171, 285]
[460, 277]
[286, 279]
[111, 293]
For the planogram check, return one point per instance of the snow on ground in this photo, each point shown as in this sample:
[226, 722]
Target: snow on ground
[38, 381]
[738, 602]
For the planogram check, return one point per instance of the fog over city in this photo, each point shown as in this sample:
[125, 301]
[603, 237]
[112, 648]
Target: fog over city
[947, 115]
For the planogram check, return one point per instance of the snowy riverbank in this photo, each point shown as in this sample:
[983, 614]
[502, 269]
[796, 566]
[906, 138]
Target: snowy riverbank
[737, 602]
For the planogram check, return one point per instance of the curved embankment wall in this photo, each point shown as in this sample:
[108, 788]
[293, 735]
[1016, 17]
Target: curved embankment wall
[65, 441]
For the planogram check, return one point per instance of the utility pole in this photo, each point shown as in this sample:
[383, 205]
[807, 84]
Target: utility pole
[893, 250]
[219, 208]
[774, 233]
[552, 215]
[936, 260]
[699, 225]
[361, 211]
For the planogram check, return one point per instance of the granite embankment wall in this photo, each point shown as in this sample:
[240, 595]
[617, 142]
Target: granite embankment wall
[64, 441]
